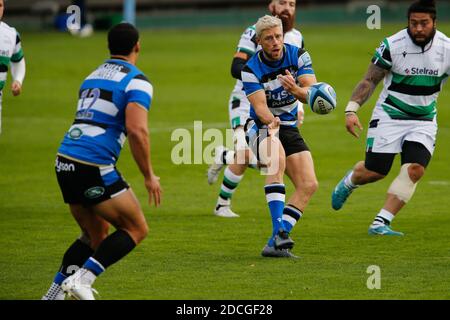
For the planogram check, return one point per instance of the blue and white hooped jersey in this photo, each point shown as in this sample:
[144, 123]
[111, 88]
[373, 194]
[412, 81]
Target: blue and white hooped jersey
[98, 133]
[261, 74]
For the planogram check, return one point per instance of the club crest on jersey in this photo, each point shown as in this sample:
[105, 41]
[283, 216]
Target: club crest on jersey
[75, 133]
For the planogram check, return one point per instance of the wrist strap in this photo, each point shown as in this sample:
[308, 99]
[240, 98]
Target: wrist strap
[352, 106]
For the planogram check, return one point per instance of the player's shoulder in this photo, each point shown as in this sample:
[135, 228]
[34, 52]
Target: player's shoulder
[250, 31]
[443, 39]
[294, 50]
[397, 40]
[294, 37]
[5, 28]
[295, 33]
[253, 65]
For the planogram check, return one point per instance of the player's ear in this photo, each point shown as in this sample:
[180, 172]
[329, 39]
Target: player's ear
[137, 47]
[271, 7]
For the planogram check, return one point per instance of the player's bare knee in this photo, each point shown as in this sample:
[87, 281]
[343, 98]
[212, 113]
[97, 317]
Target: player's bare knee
[416, 172]
[308, 187]
[138, 232]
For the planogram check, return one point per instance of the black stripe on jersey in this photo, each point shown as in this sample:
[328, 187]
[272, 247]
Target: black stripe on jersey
[301, 52]
[247, 69]
[414, 90]
[104, 94]
[17, 39]
[273, 76]
[387, 55]
[379, 63]
[94, 123]
[141, 77]
[253, 39]
[3, 68]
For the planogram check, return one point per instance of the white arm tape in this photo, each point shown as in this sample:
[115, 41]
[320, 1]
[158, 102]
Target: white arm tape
[352, 106]
[18, 70]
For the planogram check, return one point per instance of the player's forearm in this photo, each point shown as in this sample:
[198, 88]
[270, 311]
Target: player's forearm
[264, 115]
[363, 91]
[367, 86]
[18, 70]
[140, 149]
[300, 94]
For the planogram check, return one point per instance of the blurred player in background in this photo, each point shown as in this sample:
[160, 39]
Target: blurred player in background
[11, 54]
[239, 108]
[414, 63]
[275, 80]
[113, 104]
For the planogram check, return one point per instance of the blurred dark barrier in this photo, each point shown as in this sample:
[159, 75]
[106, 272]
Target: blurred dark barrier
[33, 14]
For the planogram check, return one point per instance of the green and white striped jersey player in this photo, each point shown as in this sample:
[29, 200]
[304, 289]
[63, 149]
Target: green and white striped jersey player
[11, 55]
[412, 85]
[415, 64]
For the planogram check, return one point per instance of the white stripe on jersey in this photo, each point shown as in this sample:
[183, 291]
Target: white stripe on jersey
[249, 77]
[272, 85]
[105, 170]
[107, 74]
[288, 123]
[3, 76]
[122, 139]
[286, 109]
[88, 130]
[141, 85]
[101, 105]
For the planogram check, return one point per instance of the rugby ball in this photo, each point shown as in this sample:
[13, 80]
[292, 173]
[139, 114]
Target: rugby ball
[321, 98]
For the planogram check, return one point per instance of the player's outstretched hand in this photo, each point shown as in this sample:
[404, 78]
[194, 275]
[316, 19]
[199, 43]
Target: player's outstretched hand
[287, 81]
[154, 190]
[352, 121]
[16, 88]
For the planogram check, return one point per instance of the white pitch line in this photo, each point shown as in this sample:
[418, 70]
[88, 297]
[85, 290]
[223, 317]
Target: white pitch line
[439, 183]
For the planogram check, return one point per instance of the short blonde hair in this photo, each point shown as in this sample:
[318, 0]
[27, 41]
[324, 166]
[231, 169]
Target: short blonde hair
[267, 22]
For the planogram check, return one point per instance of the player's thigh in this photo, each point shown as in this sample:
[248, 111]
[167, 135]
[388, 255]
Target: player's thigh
[123, 212]
[300, 169]
[415, 152]
[292, 141]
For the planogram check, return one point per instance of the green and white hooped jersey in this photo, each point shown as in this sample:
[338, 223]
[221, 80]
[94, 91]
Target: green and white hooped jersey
[416, 76]
[10, 50]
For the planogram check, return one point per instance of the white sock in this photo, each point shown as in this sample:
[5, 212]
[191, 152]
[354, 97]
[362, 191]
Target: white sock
[348, 181]
[384, 217]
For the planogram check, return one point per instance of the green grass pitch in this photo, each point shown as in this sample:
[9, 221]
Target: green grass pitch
[190, 253]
